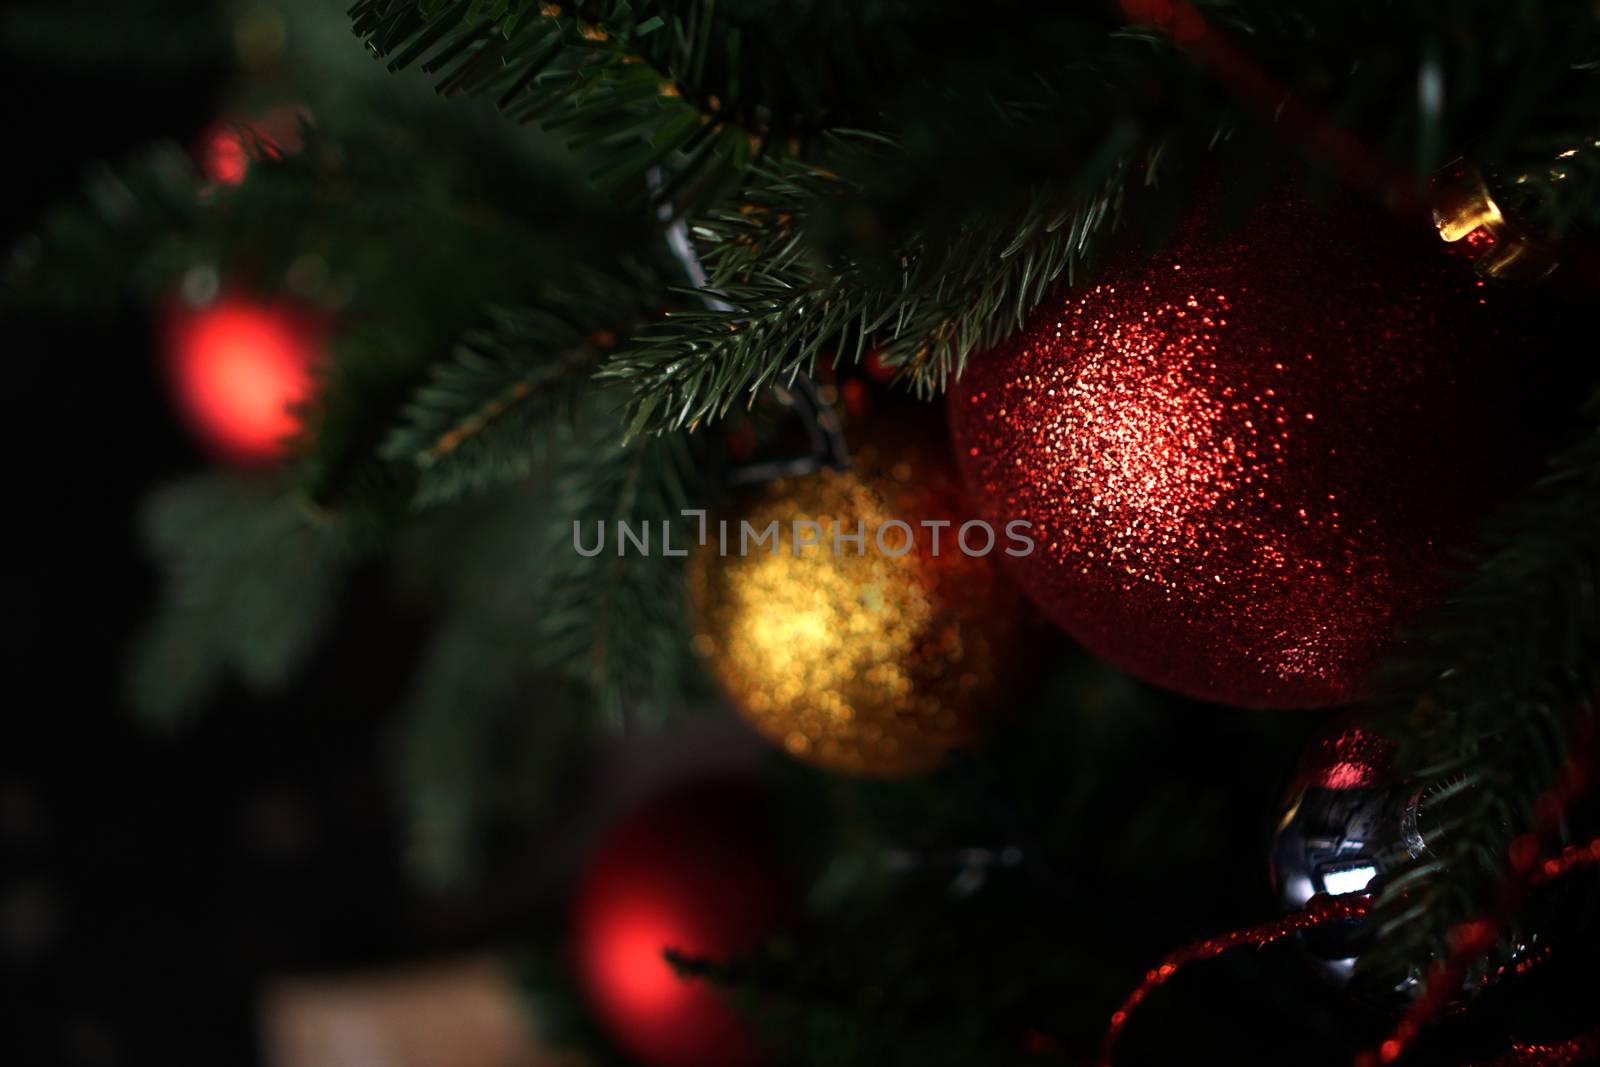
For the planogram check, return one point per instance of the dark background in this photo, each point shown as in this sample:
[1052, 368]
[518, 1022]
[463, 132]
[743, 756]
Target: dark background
[149, 879]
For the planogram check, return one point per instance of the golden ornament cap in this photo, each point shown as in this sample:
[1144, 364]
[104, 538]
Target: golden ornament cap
[1465, 210]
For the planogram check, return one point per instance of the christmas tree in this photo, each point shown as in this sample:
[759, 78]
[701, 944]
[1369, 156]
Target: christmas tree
[1043, 500]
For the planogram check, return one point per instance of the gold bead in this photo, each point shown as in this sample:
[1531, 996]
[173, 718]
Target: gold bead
[860, 662]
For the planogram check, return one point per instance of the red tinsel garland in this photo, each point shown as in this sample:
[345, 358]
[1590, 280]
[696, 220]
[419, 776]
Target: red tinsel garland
[1584, 1048]
[1471, 939]
[1319, 911]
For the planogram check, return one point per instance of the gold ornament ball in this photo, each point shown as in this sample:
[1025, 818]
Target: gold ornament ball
[860, 661]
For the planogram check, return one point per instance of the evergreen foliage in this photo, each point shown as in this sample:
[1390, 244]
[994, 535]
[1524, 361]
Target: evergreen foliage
[518, 358]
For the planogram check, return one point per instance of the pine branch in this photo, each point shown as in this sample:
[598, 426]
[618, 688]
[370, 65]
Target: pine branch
[126, 234]
[622, 80]
[489, 415]
[934, 242]
[484, 738]
[478, 423]
[355, 399]
[1513, 679]
[465, 223]
[615, 620]
[538, 646]
[786, 310]
[249, 585]
[970, 254]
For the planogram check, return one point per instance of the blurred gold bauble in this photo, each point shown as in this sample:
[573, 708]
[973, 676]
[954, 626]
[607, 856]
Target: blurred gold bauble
[863, 661]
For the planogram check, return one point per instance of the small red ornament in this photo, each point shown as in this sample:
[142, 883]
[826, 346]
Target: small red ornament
[237, 368]
[1246, 459]
[1350, 757]
[227, 149]
[694, 871]
[224, 157]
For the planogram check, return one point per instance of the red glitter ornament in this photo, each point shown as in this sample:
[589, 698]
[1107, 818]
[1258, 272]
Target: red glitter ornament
[238, 368]
[1244, 460]
[693, 871]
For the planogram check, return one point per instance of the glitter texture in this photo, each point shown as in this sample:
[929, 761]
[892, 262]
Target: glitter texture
[1350, 758]
[869, 664]
[1584, 1048]
[1246, 458]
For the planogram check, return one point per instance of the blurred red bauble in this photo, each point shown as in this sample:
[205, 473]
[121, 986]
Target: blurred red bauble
[237, 368]
[227, 149]
[1245, 459]
[694, 870]
[224, 155]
